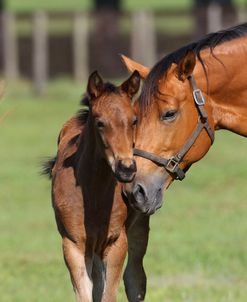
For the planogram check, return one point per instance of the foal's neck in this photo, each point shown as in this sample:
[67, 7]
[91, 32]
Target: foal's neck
[227, 93]
[92, 168]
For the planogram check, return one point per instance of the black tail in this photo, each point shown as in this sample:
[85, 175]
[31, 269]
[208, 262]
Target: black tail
[47, 166]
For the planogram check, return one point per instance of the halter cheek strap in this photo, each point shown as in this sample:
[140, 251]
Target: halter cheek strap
[172, 164]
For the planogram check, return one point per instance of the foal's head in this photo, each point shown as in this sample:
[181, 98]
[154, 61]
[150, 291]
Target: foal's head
[113, 120]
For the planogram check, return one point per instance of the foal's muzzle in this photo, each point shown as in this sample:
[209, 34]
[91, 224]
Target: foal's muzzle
[125, 169]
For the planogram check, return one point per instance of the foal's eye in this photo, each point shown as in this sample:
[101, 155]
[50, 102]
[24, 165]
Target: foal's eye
[134, 121]
[99, 124]
[169, 115]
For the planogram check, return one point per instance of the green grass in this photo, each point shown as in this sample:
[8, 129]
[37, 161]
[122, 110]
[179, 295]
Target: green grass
[30, 5]
[197, 250]
[69, 5]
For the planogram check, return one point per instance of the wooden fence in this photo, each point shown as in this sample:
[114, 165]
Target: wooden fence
[143, 40]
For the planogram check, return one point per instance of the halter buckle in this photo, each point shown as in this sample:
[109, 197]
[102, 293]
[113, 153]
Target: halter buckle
[198, 97]
[172, 165]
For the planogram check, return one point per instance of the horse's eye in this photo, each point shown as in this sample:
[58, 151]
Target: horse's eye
[134, 121]
[169, 115]
[99, 124]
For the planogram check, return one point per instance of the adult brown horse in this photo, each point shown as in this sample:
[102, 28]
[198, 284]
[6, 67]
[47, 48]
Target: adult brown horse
[95, 148]
[187, 95]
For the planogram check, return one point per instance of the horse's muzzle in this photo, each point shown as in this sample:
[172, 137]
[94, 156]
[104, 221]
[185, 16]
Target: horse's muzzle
[125, 170]
[146, 196]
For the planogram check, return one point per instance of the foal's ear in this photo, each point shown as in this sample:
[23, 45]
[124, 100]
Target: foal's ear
[95, 85]
[186, 65]
[132, 66]
[131, 86]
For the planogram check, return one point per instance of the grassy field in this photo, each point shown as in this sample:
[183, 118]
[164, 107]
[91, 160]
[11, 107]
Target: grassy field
[197, 250]
[30, 5]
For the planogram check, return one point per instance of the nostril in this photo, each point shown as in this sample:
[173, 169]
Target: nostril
[127, 166]
[133, 166]
[139, 193]
[142, 191]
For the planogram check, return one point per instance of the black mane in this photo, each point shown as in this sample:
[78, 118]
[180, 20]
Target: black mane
[160, 69]
[109, 87]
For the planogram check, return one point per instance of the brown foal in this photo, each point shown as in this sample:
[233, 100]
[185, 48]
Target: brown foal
[95, 149]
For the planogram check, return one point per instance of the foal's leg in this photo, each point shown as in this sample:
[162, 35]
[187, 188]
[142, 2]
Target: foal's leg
[99, 278]
[80, 270]
[134, 275]
[114, 265]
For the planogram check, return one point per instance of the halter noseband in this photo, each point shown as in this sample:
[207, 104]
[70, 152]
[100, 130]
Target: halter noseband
[172, 164]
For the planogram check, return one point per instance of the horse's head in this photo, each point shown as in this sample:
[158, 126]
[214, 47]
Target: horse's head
[168, 118]
[114, 122]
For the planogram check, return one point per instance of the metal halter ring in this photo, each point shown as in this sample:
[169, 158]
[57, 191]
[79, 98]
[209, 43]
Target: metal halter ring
[198, 97]
[171, 165]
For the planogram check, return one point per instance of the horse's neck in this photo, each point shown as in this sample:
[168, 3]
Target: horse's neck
[93, 172]
[227, 78]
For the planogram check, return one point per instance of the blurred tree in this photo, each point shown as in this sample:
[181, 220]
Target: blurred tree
[2, 8]
[2, 5]
[201, 14]
[109, 4]
[106, 36]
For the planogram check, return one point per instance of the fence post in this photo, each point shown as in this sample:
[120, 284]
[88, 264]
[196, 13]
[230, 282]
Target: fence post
[10, 47]
[214, 16]
[242, 15]
[143, 38]
[40, 52]
[80, 47]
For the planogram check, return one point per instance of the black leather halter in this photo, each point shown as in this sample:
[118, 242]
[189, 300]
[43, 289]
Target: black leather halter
[172, 164]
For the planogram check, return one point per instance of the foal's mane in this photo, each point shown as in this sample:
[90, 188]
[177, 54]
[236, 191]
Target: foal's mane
[160, 69]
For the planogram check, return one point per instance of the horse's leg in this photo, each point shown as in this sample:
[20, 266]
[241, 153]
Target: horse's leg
[99, 278]
[114, 265]
[134, 275]
[80, 270]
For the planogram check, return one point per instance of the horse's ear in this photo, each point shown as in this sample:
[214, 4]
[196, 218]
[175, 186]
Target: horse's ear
[186, 65]
[132, 66]
[95, 85]
[131, 86]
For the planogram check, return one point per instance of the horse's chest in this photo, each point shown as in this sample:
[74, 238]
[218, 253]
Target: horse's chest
[105, 232]
[104, 244]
